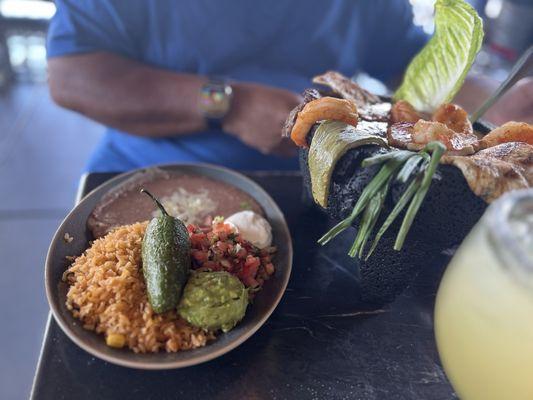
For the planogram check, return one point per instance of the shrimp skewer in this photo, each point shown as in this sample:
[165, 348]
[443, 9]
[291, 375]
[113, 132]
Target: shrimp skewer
[325, 108]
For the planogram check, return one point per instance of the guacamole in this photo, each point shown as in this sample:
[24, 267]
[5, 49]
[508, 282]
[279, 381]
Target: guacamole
[213, 301]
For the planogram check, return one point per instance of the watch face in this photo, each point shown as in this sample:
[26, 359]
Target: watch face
[215, 99]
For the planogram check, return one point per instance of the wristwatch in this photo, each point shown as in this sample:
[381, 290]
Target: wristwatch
[215, 101]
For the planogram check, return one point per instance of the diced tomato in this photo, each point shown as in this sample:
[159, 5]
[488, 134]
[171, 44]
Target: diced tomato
[199, 255]
[252, 262]
[217, 247]
[223, 246]
[249, 271]
[198, 239]
[250, 281]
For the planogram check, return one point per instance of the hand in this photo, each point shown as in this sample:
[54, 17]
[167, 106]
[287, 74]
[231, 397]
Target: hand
[257, 116]
[515, 105]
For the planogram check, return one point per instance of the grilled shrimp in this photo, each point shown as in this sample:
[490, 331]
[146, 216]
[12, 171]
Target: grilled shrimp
[509, 132]
[407, 135]
[454, 117]
[325, 108]
[456, 143]
[403, 111]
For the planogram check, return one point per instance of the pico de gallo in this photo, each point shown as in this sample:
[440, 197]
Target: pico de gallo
[219, 247]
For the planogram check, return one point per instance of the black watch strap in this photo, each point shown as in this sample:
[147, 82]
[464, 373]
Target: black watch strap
[214, 123]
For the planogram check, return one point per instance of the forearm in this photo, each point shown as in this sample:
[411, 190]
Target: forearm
[127, 95]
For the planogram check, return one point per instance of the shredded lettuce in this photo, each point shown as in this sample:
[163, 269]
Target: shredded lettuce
[438, 71]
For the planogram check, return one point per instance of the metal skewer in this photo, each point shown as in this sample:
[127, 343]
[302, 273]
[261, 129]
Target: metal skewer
[515, 74]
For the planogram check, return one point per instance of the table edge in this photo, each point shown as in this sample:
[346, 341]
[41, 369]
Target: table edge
[79, 195]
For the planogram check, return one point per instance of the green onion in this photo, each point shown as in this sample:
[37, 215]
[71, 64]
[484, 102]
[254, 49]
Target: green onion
[437, 149]
[370, 191]
[368, 221]
[399, 165]
[400, 205]
[380, 158]
[410, 165]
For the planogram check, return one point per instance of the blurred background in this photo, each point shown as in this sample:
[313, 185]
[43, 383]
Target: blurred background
[43, 150]
[42, 153]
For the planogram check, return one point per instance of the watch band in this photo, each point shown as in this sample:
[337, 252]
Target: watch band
[215, 101]
[214, 123]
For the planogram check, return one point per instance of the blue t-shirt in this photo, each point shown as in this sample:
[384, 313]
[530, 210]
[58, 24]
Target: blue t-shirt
[282, 43]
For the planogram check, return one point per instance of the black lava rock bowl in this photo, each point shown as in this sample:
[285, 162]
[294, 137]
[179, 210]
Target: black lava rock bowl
[448, 213]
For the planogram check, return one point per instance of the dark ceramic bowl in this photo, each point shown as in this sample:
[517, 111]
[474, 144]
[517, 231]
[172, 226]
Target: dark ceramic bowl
[257, 313]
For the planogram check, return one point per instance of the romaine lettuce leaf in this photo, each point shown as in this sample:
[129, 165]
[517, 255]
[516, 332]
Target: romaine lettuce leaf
[438, 71]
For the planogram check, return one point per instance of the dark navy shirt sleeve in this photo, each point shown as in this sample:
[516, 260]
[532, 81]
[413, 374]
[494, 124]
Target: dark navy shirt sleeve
[83, 26]
[388, 38]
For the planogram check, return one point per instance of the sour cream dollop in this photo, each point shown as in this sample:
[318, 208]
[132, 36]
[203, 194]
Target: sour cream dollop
[252, 227]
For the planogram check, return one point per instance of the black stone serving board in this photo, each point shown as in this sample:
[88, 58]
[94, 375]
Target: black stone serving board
[322, 342]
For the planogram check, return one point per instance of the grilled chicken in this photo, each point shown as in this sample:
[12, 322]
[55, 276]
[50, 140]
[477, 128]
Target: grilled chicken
[369, 106]
[346, 88]
[496, 170]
